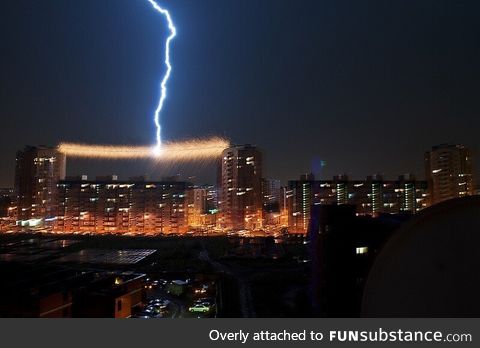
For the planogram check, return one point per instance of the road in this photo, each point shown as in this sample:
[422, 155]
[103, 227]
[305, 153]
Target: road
[244, 291]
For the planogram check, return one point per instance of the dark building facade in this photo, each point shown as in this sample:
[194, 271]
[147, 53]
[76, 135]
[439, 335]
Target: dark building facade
[52, 291]
[343, 247]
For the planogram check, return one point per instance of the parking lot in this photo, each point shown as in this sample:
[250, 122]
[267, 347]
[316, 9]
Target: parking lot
[179, 298]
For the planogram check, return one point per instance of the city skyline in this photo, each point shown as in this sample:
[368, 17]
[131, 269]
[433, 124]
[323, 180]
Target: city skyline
[190, 169]
[296, 83]
[241, 159]
[241, 200]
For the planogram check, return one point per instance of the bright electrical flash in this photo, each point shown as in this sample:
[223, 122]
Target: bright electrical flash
[163, 85]
[188, 150]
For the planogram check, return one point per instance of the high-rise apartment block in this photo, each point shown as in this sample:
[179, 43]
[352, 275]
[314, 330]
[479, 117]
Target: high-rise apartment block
[449, 172]
[202, 207]
[111, 206]
[271, 193]
[372, 196]
[241, 188]
[37, 171]
[242, 199]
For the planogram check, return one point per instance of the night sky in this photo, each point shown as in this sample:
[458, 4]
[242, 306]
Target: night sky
[366, 86]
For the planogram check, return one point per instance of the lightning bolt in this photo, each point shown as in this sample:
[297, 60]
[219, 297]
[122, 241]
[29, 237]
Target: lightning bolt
[188, 150]
[163, 85]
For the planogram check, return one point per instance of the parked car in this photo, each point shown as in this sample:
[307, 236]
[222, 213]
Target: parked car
[208, 301]
[160, 303]
[199, 308]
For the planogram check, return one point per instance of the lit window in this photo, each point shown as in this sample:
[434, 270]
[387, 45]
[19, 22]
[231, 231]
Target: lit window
[361, 250]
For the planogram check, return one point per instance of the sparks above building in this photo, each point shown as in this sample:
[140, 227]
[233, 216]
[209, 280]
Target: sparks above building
[195, 149]
[188, 150]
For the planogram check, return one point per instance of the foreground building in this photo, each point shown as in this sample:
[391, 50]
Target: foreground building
[240, 180]
[343, 247]
[52, 291]
[449, 172]
[111, 206]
